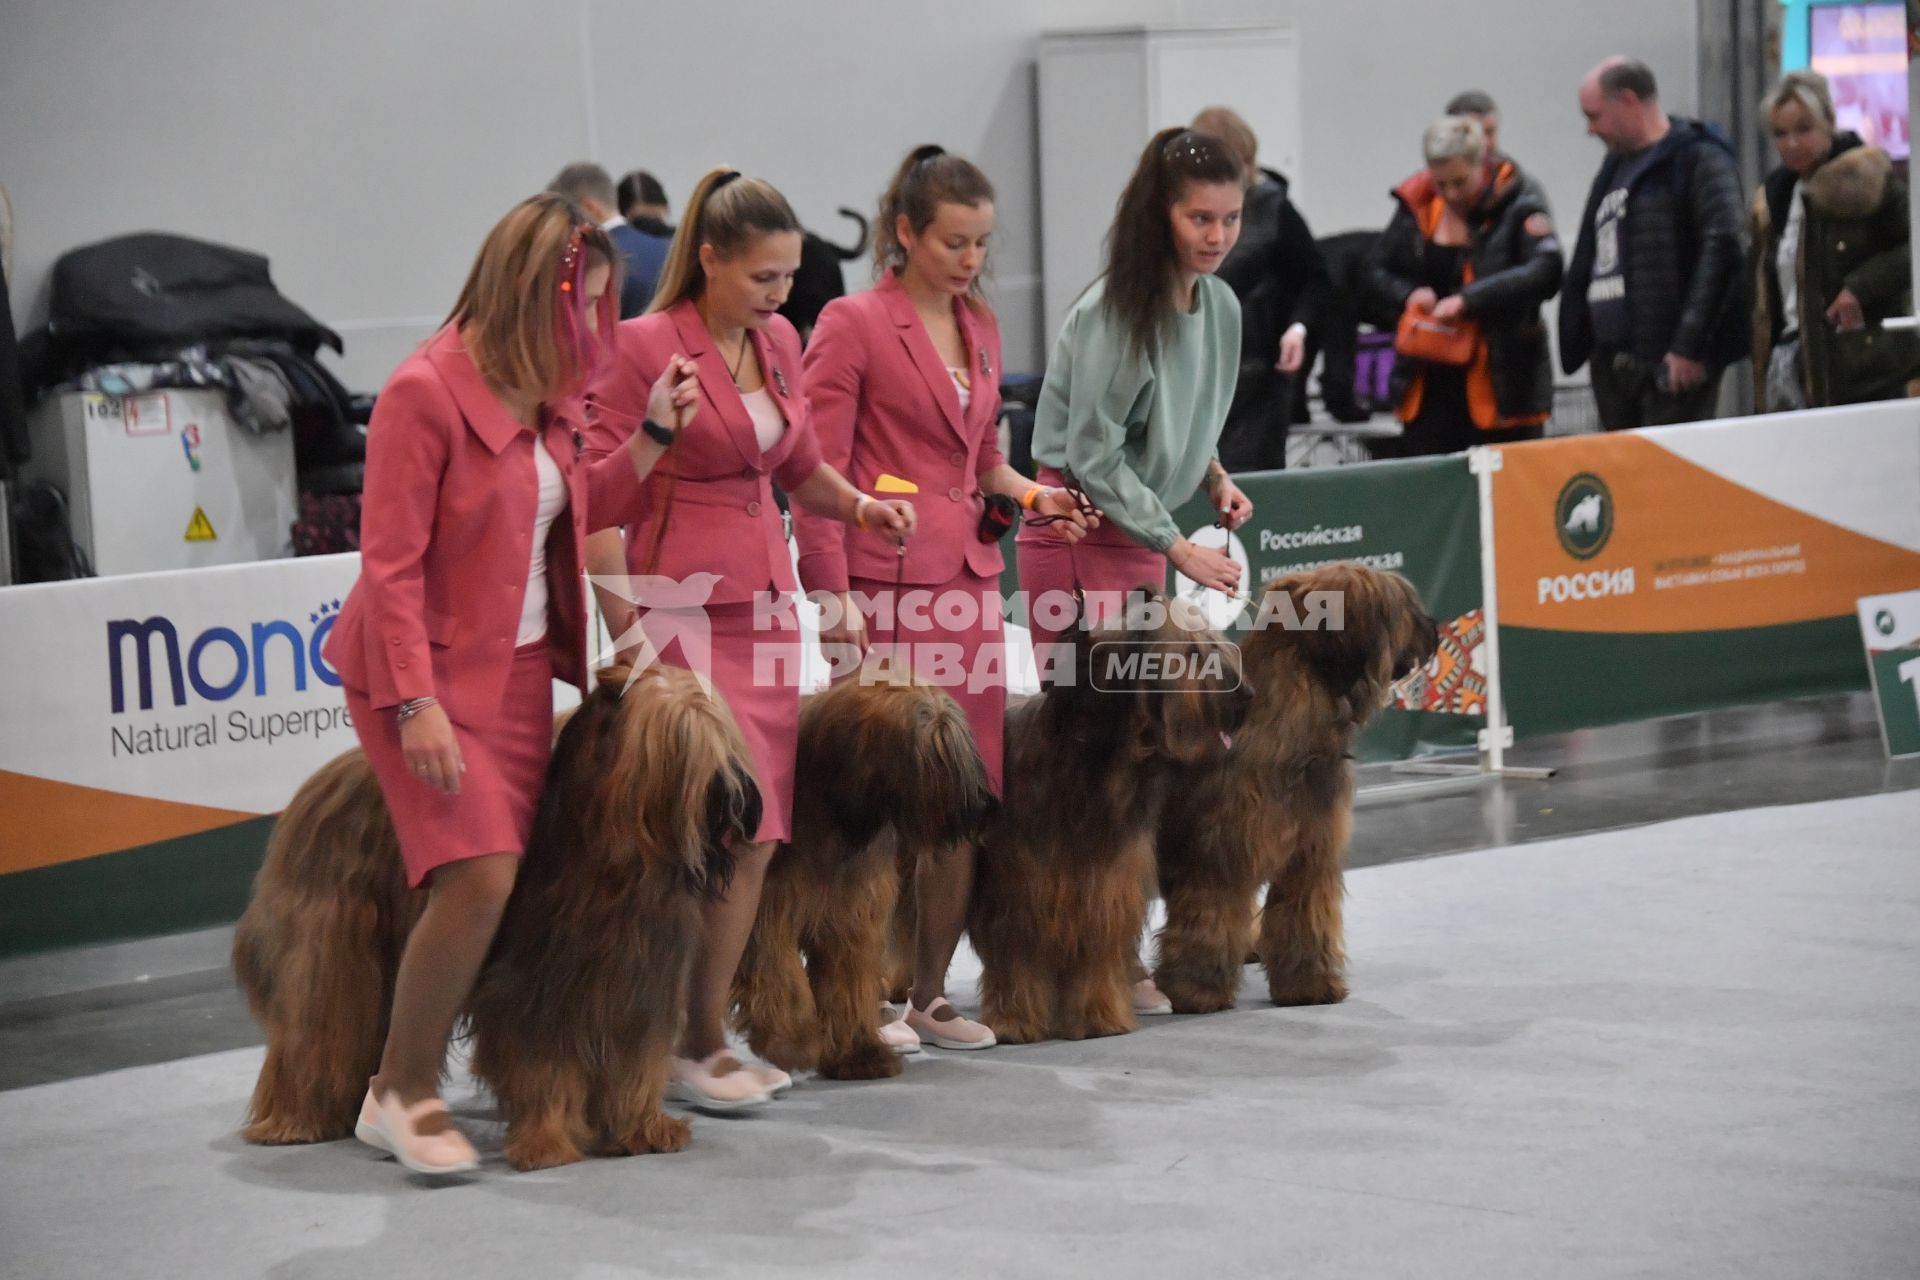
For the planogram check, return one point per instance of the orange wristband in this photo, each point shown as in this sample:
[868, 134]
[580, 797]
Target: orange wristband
[1032, 496]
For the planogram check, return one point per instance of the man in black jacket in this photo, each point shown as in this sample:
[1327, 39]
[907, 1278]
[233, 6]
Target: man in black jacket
[1656, 294]
[1277, 272]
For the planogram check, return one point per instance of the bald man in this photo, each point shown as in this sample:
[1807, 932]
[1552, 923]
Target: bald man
[1656, 296]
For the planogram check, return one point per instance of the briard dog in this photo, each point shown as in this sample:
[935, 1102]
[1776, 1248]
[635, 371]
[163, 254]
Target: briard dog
[1067, 868]
[576, 1010]
[1281, 809]
[888, 775]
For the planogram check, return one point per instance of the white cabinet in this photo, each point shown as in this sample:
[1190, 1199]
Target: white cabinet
[165, 480]
[1104, 93]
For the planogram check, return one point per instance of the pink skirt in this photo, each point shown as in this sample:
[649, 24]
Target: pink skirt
[1106, 564]
[952, 633]
[506, 767]
[753, 661]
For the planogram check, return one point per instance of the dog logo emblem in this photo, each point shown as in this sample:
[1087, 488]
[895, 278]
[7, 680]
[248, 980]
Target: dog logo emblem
[1583, 516]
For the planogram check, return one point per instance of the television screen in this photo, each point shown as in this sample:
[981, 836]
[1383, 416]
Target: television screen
[1862, 51]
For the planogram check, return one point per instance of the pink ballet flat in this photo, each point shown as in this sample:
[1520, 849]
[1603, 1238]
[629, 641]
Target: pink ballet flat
[941, 1025]
[772, 1079]
[1148, 1000]
[895, 1033]
[387, 1126]
[717, 1082]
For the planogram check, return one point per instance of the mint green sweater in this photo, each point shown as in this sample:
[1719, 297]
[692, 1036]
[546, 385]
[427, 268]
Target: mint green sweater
[1137, 433]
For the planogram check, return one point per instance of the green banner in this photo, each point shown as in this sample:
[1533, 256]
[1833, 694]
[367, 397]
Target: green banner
[1890, 627]
[1418, 517]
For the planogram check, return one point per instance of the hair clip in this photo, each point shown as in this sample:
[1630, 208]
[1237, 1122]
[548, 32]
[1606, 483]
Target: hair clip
[780, 380]
[571, 256]
[1196, 146]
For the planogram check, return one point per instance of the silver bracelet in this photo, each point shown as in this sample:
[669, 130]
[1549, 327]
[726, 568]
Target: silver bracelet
[413, 707]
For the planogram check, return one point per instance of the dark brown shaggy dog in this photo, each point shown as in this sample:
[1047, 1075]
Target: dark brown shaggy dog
[575, 1013]
[888, 775]
[1060, 896]
[1281, 809]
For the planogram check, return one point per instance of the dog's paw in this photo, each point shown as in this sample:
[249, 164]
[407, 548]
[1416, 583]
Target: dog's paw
[1307, 988]
[529, 1151]
[658, 1134]
[1107, 1024]
[1016, 1030]
[281, 1131]
[871, 1061]
[791, 1052]
[1194, 993]
[1196, 1000]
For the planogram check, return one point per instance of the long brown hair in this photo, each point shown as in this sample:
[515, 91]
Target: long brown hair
[928, 178]
[1141, 265]
[520, 313]
[726, 211]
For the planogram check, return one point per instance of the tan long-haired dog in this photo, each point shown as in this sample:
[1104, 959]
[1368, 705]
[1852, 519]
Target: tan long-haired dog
[1280, 811]
[888, 775]
[575, 1013]
[1060, 895]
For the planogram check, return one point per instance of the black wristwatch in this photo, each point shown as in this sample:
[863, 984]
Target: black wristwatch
[662, 436]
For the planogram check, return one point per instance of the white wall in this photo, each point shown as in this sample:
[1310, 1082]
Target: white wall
[365, 146]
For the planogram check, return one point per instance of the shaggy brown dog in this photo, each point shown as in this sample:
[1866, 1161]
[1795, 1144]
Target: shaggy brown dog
[1060, 896]
[1281, 809]
[888, 775]
[575, 1013]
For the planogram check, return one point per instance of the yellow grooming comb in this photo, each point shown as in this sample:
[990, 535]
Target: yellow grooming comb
[894, 484]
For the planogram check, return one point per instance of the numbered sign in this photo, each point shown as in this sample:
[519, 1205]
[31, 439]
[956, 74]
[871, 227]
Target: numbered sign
[1890, 625]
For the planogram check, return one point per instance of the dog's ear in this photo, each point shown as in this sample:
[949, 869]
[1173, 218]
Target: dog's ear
[733, 814]
[949, 798]
[841, 766]
[1338, 649]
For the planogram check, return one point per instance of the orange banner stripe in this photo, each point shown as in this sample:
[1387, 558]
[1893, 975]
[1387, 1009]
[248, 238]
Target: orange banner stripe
[52, 822]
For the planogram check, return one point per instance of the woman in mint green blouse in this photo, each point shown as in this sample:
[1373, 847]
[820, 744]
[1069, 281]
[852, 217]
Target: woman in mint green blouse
[1137, 391]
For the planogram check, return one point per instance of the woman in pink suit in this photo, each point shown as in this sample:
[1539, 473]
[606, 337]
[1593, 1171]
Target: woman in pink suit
[475, 518]
[903, 380]
[709, 510]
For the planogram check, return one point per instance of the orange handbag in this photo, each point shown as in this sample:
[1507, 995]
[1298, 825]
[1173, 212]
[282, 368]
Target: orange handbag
[1421, 337]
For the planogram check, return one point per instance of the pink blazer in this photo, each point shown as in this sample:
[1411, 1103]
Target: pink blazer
[883, 403]
[723, 519]
[446, 538]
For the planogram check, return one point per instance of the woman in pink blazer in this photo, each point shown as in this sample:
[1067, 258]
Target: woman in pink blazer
[469, 603]
[707, 519]
[903, 380]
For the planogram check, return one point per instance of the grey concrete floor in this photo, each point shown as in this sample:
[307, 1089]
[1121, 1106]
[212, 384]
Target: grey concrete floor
[1682, 1050]
[82, 1012]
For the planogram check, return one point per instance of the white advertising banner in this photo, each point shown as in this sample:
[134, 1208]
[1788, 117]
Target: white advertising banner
[202, 692]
